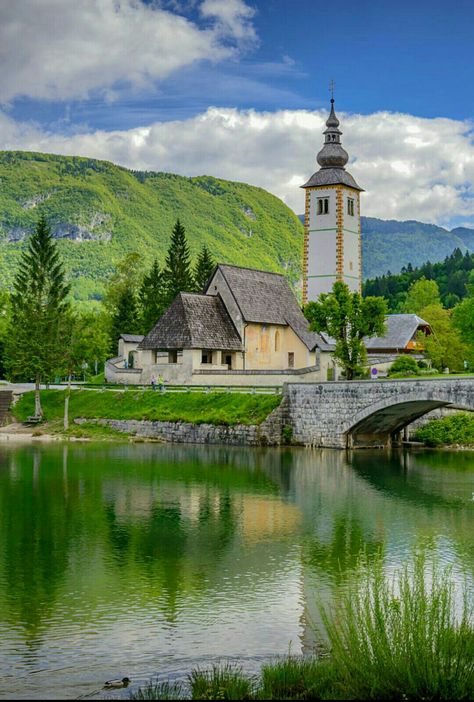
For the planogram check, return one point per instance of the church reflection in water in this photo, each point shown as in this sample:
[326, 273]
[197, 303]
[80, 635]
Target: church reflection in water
[204, 551]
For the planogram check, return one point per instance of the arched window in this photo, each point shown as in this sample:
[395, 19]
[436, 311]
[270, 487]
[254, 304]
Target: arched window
[277, 340]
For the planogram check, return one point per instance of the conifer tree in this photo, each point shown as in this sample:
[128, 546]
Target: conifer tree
[126, 319]
[203, 270]
[177, 275]
[152, 298]
[37, 338]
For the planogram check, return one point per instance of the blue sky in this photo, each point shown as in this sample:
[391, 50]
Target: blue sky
[134, 81]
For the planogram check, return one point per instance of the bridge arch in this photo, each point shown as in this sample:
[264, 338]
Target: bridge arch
[378, 423]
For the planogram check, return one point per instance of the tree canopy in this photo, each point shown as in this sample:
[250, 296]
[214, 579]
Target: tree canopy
[348, 318]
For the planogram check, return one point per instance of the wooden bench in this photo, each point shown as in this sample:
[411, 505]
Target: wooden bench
[33, 420]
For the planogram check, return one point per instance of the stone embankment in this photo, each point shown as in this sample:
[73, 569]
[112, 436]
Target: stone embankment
[268, 433]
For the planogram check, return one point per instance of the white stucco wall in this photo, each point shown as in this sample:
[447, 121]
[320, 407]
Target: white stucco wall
[321, 244]
[351, 241]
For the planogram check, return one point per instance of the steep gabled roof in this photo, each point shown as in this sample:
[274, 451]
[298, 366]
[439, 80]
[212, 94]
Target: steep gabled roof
[194, 322]
[400, 330]
[266, 298]
[132, 338]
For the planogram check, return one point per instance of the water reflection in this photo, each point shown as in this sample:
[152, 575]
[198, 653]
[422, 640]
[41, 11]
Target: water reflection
[144, 558]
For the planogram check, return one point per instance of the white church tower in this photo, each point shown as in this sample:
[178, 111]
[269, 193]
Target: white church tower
[332, 241]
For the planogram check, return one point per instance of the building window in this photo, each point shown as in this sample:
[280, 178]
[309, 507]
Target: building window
[277, 340]
[173, 356]
[291, 360]
[227, 360]
[206, 356]
[351, 266]
[350, 206]
[323, 205]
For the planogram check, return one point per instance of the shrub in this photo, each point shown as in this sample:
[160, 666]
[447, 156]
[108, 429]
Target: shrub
[456, 429]
[403, 640]
[404, 365]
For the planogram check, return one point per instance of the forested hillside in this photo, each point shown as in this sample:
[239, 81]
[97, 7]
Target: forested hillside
[99, 212]
[452, 276]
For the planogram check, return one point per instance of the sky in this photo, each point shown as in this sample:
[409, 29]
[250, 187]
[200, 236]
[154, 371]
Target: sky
[239, 89]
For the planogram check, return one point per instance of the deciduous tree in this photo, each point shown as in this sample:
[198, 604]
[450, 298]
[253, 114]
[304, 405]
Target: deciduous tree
[348, 318]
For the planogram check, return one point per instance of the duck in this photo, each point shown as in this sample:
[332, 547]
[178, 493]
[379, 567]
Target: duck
[115, 684]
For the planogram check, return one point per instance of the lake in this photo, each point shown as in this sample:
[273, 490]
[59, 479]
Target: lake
[148, 559]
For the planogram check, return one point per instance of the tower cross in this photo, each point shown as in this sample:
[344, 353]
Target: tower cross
[332, 85]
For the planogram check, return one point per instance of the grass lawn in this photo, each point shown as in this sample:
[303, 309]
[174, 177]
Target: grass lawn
[198, 408]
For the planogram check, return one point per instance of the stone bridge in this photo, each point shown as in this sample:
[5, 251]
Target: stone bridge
[369, 412]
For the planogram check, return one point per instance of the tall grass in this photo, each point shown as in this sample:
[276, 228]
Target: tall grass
[404, 638]
[221, 682]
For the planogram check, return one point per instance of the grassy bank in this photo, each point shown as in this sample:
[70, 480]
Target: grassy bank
[457, 429]
[388, 640]
[198, 408]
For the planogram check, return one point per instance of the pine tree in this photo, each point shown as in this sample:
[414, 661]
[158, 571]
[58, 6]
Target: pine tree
[177, 276]
[203, 270]
[152, 298]
[38, 338]
[126, 318]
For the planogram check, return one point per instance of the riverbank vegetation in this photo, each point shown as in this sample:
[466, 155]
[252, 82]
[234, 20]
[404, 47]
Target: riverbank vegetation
[456, 430]
[196, 407]
[407, 638]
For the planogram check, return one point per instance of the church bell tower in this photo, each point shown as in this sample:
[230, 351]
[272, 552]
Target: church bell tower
[332, 239]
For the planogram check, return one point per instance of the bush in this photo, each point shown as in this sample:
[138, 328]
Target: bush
[404, 365]
[456, 429]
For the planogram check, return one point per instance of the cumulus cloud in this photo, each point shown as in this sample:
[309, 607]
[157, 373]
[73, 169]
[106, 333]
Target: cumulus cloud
[60, 50]
[410, 167]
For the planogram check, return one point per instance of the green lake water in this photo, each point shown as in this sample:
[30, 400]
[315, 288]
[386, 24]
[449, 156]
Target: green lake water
[146, 559]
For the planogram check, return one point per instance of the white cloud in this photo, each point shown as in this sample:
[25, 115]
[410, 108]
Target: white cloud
[59, 50]
[411, 168]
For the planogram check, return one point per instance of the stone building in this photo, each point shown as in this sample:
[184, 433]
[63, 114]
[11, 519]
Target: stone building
[247, 328]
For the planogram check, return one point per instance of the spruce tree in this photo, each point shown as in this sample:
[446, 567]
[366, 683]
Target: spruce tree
[203, 270]
[38, 338]
[126, 318]
[177, 276]
[152, 298]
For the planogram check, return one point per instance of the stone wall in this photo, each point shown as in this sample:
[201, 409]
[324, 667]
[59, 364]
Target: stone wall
[268, 433]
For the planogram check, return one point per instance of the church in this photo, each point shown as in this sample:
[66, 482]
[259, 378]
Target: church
[247, 328]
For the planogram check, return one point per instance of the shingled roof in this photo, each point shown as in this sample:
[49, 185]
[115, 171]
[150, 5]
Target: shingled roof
[332, 176]
[266, 298]
[400, 330]
[194, 322]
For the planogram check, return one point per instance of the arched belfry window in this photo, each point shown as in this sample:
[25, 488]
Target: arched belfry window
[277, 340]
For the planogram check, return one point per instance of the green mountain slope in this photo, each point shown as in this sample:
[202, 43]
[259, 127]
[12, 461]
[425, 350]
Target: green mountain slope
[99, 212]
[388, 245]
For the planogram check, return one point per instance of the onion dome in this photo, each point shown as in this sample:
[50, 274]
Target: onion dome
[332, 155]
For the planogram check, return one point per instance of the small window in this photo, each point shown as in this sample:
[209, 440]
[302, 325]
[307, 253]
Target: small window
[323, 205]
[277, 340]
[173, 356]
[350, 206]
[291, 360]
[351, 266]
[206, 356]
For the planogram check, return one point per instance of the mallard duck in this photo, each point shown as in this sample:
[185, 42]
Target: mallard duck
[124, 682]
